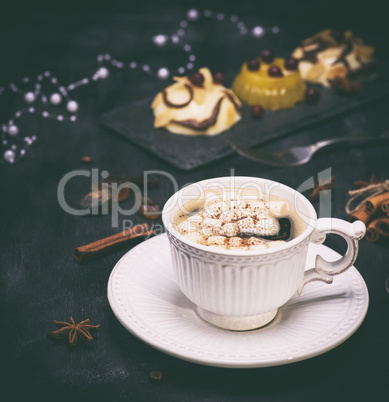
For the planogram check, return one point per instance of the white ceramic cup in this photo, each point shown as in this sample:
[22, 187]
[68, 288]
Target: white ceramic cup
[243, 289]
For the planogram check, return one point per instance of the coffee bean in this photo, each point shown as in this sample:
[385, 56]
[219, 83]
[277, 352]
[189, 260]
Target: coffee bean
[156, 376]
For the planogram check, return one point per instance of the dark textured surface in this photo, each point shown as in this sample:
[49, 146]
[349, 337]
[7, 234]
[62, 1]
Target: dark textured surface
[40, 281]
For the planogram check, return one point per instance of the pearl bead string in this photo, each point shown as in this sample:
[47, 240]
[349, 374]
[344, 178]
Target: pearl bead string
[14, 147]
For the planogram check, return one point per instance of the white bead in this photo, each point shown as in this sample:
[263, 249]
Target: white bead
[103, 73]
[192, 57]
[133, 64]
[60, 117]
[275, 30]
[146, 68]
[180, 32]
[31, 109]
[73, 118]
[163, 73]
[175, 39]
[257, 31]
[234, 18]
[181, 70]
[45, 114]
[187, 48]
[22, 152]
[72, 106]
[220, 16]
[189, 66]
[55, 99]
[9, 156]
[160, 40]
[13, 130]
[193, 14]
[183, 24]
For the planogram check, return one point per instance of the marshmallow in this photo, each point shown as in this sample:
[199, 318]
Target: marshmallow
[211, 226]
[216, 241]
[246, 225]
[235, 242]
[228, 216]
[267, 227]
[229, 229]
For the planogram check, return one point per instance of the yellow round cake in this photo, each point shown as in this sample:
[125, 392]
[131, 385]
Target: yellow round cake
[273, 85]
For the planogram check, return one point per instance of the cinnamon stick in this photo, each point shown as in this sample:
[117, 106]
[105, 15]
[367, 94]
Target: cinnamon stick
[383, 226]
[385, 207]
[379, 228]
[373, 205]
[361, 215]
[102, 246]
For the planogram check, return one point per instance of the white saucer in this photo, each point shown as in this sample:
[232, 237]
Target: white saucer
[147, 301]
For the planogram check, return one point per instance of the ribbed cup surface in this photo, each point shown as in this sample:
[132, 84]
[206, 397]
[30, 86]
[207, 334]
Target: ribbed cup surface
[234, 285]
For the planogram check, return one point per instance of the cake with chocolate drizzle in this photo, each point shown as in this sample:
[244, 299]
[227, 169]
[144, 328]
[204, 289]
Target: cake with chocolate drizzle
[196, 105]
[331, 55]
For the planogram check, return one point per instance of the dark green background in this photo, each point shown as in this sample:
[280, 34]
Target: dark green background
[39, 279]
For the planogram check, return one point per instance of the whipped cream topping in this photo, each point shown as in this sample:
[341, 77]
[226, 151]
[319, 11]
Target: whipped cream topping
[330, 54]
[206, 109]
[232, 222]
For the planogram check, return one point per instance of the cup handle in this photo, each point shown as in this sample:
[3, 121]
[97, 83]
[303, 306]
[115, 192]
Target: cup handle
[325, 270]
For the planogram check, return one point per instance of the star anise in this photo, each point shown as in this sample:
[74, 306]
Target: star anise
[72, 332]
[322, 186]
[373, 180]
[113, 189]
[149, 208]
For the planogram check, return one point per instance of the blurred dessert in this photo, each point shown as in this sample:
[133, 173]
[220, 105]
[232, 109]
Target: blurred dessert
[269, 81]
[196, 105]
[334, 56]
